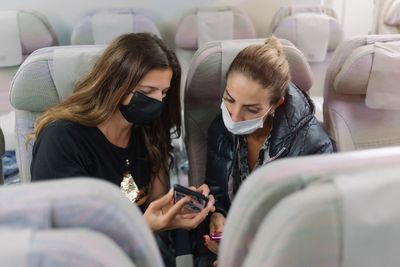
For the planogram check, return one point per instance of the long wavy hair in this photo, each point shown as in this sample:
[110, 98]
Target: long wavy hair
[119, 69]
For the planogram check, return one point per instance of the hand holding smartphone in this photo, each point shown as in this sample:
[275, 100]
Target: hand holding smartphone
[197, 200]
[216, 237]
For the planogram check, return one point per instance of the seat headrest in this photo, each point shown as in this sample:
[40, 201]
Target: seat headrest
[66, 247]
[22, 33]
[287, 11]
[49, 75]
[81, 203]
[373, 70]
[206, 22]
[206, 76]
[369, 212]
[392, 16]
[270, 185]
[286, 21]
[101, 26]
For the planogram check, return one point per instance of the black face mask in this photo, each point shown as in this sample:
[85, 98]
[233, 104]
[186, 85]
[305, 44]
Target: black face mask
[141, 109]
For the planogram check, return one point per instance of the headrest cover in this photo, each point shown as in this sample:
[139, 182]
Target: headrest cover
[383, 91]
[295, 9]
[10, 48]
[49, 75]
[353, 76]
[299, 68]
[285, 28]
[15, 246]
[80, 203]
[371, 218]
[70, 65]
[230, 49]
[372, 70]
[187, 34]
[35, 31]
[101, 26]
[214, 25]
[107, 26]
[206, 76]
[314, 34]
[392, 16]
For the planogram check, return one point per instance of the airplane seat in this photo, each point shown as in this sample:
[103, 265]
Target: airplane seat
[315, 31]
[204, 88]
[81, 204]
[66, 247]
[2, 151]
[387, 18]
[45, 78]
[101, 26]
[22, 32]
[263, 229]
[361, 98]
[203, 25]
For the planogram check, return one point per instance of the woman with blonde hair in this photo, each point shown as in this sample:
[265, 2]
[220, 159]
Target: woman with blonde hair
[117, 126]
[264, 118]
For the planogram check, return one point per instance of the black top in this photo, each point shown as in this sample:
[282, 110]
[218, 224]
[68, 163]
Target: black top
[295, 132]
[67, 149]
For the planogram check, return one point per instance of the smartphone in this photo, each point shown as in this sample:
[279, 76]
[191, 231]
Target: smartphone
[197, 200]
[216, 237]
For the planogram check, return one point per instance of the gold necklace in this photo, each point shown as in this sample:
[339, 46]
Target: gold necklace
[129, 187]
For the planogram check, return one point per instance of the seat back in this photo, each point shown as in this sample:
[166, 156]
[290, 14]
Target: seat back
[345, 220]
[2, 151]
[315, 31]
[66, 247]
[304, 27]
[202, 25]
[387, 17]
[361, 98]
[81, 203]
[265, 190]
[46, 78]
[22, 33]
[204, 88]
[101, 26]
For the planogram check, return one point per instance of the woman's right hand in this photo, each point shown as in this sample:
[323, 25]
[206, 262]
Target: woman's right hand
[172, 218]
[217, 222]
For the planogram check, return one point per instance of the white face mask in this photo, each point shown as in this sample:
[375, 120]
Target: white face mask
[241, 127]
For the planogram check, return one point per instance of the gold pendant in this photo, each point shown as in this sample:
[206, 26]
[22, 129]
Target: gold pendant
[129, 187]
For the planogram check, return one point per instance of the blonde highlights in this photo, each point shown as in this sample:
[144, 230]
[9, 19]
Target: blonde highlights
[265, 64]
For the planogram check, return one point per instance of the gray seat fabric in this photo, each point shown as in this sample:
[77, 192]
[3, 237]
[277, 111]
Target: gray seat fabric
[267, 190]
[27, 247]
[349, 120]
[81, 203]
[2, 150]
[35, 32]
[186, 35]
[34, 90]
[287, 24]
[386, 19]
[203, 92]
[347, 220]
[83, 32]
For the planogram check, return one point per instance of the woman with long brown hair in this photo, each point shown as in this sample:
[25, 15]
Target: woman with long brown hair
[117, 126]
